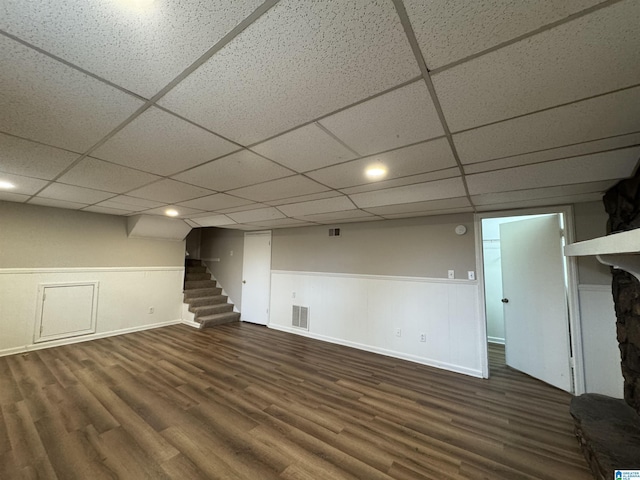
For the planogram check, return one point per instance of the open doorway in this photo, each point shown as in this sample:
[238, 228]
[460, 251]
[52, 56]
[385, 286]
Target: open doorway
[528, 294]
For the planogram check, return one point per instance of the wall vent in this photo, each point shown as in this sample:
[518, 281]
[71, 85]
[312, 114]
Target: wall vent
[334, 232]
[300, 317]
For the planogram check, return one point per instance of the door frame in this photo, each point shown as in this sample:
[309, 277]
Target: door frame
[575, 333]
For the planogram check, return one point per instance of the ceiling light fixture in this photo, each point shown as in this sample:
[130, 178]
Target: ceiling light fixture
[376, 172]
[171, 212]
[4, 185]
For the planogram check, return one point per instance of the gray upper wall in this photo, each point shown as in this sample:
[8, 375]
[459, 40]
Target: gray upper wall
[416, 247]
[41, 237]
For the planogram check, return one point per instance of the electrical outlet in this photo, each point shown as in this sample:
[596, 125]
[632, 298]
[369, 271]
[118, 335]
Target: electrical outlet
[451, 274]
[398, 332]
[471, 275]
[151, 310]
[293, 294]
[423, 337]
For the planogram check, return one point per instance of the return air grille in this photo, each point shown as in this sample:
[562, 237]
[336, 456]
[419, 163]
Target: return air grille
[300, 317]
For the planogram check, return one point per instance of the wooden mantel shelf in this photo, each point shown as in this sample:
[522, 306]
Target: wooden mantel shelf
[619, 250]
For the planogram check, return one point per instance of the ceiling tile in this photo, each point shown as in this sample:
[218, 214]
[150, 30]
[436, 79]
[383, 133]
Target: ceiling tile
[337, 216]
[585, 197]
[420, 158]
[23, 185]
[589, 168]
[71, 193]
[409, 180]
[281, 223]
[213, 221]
[546, 192]
[13, 197]
[107, 211]
[401, 117]
[136, 202]
[94, 173]
[421, 192]
[588, 56]
[50, 202]
[22, 157]
[280, 189]
[143, 50]
[234, 171]
[183, 212]
[46, 101]
[154, 140]
[430, 213]
[417, 207]
[327, 205]
[169, 191]
[242, 208]
[258, 215]
[305, 149]
[304, 198]
[556, 153]
[614, 114]
[121, 206]
[219, 201]
[448, 30]
[320, 57]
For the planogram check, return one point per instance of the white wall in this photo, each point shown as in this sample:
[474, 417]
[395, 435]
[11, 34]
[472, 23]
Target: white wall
[493, 291]
[603, 373]
[124, 298]
[49, 245]
[364, 311]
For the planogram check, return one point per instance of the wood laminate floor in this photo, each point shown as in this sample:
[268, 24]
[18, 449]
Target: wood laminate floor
[241, 401]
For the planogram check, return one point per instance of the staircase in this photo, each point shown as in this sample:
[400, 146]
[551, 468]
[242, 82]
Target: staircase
[205, 298]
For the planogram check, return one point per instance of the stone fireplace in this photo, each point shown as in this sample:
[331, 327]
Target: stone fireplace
[609, 429]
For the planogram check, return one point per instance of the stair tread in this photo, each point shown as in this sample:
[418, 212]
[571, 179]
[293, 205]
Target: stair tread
[193, 284]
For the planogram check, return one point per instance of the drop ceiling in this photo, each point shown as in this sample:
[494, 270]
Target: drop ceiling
[251, 114]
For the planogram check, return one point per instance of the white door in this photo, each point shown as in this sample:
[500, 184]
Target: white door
[256, 277]
[535, 309]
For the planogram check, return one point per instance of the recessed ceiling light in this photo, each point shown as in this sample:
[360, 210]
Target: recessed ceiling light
[376, 172]
[6, 185]
[171, 212]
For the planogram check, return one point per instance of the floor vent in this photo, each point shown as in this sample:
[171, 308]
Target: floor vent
[300, 317]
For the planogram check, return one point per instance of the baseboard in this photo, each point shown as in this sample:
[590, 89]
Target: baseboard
[191, 323]
[381, 351]
[498, 340]
[84, 338]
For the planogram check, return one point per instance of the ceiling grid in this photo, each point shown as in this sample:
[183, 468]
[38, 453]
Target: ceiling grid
[266, 114]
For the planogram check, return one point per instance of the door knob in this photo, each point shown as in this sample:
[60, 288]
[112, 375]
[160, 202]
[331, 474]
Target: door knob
[505, 300]
[244, 281]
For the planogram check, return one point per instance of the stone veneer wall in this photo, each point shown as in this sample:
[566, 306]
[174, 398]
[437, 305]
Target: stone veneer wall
[622, 203]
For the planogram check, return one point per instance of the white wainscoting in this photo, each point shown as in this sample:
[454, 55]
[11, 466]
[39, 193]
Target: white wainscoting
[124, 298]
[364, 311]
[599, 343]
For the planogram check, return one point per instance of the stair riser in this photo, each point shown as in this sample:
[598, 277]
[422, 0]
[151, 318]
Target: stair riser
[193, 277]
[201, 269]
[202, 292]
[219, 320]
[212, 310]
[193, 263]
[205, 301]
[189, 285]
